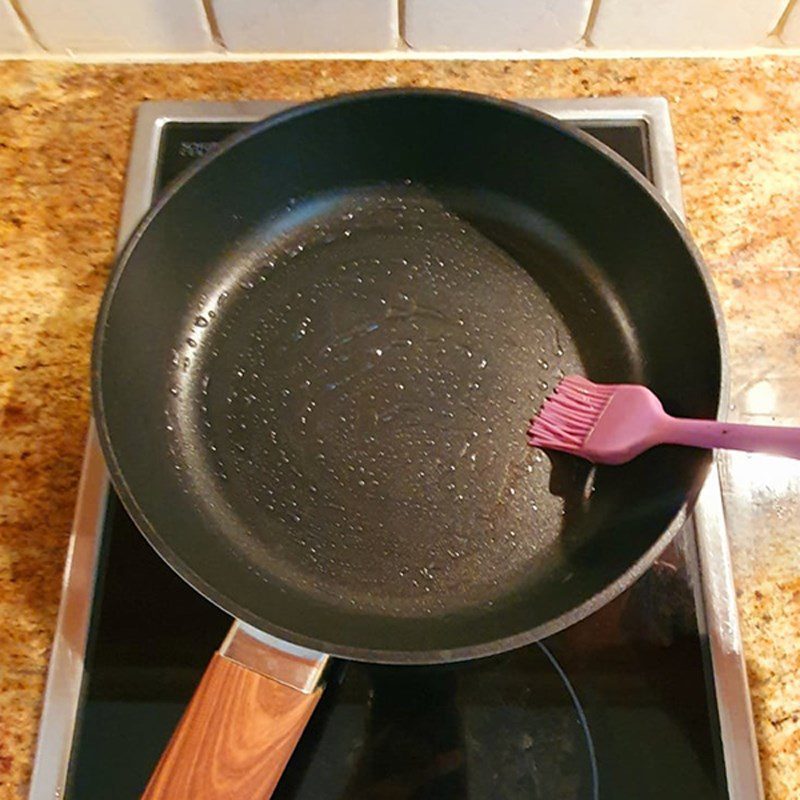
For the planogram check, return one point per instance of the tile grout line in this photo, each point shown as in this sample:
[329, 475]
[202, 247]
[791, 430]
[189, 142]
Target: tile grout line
[402, 42]
[594, 9]
[777, 30]
[16, 8]
[213, 25]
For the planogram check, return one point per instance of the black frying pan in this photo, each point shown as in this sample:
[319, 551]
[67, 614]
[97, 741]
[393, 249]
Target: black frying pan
[318, 353]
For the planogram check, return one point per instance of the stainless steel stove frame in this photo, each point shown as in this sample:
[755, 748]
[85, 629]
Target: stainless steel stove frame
[720, 622]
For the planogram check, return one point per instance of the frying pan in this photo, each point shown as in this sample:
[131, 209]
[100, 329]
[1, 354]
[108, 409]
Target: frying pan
[312, 373]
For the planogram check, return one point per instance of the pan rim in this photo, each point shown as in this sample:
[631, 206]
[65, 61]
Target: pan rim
[360, 653]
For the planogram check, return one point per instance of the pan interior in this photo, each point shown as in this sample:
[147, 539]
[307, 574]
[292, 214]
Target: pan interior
[350, 400]
[312, 377]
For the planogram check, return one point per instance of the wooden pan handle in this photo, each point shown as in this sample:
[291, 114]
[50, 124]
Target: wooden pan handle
[235, 737]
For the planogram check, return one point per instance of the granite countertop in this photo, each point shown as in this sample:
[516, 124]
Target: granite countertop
[64, 138]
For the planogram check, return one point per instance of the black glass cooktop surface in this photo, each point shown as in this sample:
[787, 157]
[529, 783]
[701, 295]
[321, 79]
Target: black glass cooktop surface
[619, 706]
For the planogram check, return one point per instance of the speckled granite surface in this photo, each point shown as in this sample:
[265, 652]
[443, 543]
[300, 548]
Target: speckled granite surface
[64, 136]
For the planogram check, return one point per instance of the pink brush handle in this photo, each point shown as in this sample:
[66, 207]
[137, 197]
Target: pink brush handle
[732, 436]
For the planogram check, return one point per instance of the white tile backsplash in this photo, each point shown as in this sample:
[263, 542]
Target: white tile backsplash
[262, 28]
[120, 26]
[280, 26]
[683, 24]
[494, 24]
[13, 38]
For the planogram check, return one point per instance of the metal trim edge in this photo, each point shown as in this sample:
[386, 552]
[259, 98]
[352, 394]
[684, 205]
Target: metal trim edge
[737, 727]
[66, 667]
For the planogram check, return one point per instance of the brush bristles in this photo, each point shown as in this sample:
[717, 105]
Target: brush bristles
[569, 414]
